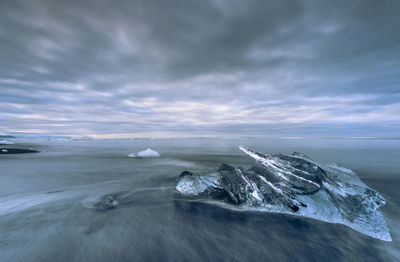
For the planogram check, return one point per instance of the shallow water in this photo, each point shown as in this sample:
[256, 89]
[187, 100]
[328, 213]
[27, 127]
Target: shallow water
[42, 217]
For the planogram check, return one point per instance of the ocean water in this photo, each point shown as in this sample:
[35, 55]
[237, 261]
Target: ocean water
[43, 216]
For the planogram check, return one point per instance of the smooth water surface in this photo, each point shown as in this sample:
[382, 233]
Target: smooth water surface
[42, 217]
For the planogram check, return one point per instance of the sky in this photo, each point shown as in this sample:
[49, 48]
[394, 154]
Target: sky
[200, 68]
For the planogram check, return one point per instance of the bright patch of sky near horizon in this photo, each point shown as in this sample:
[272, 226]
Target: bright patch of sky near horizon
[126, 68]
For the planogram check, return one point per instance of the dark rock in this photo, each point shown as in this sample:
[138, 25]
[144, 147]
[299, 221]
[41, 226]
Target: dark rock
[185, 173]
[106, 202]
[5, 151]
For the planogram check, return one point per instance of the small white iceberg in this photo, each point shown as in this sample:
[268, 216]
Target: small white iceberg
[6, 142]
[146, 153]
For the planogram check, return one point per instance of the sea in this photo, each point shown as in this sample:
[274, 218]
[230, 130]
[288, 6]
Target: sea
[44, 214]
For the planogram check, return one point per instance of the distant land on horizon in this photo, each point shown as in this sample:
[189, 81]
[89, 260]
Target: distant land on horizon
[7, 136]
[204, 137]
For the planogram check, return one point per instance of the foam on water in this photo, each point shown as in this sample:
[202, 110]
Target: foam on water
[6, 142]
[18, 203]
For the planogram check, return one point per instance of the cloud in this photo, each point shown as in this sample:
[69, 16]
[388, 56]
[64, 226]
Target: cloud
[198, 67]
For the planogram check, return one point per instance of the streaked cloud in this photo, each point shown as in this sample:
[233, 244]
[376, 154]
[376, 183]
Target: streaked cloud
[131, 68]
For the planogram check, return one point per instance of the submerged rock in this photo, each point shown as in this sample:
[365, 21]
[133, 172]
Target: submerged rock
[101, 203]
[293, 184]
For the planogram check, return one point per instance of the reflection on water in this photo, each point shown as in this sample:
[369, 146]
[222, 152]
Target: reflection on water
[42, 217]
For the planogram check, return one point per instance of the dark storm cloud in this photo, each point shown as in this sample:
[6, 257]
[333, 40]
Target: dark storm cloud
[133, 67]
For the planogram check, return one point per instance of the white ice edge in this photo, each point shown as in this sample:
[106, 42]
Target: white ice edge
[332, 218]
[272, 164]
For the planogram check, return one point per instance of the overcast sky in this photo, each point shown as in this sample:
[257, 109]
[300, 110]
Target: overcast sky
[218, 67]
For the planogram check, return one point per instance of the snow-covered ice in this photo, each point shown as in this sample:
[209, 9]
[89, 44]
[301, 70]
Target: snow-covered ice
[145, 153]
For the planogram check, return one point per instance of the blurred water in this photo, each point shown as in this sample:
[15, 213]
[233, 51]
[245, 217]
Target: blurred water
[42, 217]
